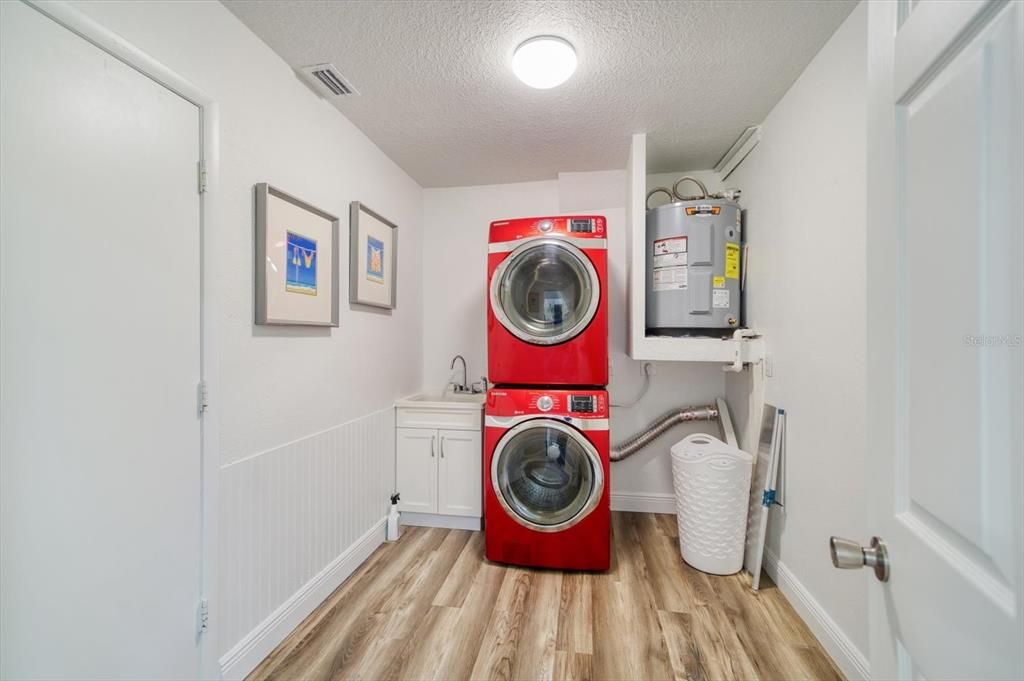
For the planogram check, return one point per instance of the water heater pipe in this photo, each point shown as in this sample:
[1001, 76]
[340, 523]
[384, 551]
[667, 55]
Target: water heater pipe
[675, 187]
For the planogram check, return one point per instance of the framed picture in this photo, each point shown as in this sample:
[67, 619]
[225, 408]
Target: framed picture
[297, 275]
[373, 242]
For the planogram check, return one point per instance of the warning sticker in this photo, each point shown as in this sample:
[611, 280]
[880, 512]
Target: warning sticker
[675, 244]
[720, 298]
[670, 278]
[718, 282]
[732, 260]
[670, 260]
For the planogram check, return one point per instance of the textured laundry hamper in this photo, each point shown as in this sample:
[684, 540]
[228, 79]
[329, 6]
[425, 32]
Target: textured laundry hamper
[712, 486]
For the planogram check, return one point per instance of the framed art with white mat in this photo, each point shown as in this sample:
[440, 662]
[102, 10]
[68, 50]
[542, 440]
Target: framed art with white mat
[297, 275]
[373, 242]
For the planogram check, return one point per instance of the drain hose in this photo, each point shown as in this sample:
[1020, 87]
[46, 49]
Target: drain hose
[657, 428]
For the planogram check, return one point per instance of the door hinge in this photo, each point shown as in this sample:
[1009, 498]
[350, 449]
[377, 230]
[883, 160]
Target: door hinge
[203, 616]
[202, 397]
[201, 168]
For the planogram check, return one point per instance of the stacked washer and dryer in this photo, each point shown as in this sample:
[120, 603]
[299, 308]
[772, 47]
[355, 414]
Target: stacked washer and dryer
[546, 440]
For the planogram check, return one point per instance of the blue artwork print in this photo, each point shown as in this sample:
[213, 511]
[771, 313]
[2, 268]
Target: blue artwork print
[300, 274]
[374, 260]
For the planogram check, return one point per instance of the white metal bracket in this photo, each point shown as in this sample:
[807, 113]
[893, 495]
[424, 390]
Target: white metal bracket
[737, 357]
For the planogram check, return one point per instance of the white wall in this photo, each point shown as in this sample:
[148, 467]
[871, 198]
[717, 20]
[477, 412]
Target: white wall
[455, 225]
[297, 406]
[804, 191]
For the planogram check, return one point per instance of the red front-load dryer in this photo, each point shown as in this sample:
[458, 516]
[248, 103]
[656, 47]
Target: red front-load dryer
[547, 311]
[546, 499]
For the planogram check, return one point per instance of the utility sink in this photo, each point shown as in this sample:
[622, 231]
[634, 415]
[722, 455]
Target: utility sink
[457, 401]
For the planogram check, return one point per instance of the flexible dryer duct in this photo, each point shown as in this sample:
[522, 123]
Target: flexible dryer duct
[657, 428]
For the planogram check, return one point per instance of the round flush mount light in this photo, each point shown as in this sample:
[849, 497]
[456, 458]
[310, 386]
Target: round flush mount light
[544, 62]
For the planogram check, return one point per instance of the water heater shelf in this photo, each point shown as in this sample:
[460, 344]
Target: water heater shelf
[697, 349]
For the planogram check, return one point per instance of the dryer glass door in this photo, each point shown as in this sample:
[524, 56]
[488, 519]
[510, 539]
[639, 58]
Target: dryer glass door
[545, 292]
[547, 475]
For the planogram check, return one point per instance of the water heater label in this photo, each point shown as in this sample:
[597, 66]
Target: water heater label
[676, 244]
[670, 278]
[720, 298]
[732, 260]
[670, 253]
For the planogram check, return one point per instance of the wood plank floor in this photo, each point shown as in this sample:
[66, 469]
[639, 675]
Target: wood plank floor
[430, 607]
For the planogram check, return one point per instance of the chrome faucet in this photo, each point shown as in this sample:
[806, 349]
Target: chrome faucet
[460, 387]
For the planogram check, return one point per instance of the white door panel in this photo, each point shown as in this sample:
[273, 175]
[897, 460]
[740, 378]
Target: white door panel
[945, 298]
[100, 306]
[459, 473]
[416, 462]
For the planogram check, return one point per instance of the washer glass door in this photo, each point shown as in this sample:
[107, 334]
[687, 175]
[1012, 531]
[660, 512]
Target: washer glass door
[547, 475]
[545, 292]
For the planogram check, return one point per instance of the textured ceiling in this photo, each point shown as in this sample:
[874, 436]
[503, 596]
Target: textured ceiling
[439, 97]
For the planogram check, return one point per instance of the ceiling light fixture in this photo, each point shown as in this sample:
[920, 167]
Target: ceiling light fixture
[544, 62]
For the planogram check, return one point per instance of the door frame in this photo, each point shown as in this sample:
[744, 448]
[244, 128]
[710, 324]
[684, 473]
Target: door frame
[92, 31]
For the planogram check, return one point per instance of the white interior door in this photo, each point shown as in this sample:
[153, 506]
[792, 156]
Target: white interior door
[459, 478]
[944, 337]
[100, 357]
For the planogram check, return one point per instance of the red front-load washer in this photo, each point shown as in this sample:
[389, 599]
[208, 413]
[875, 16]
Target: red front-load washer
[547, 311]
[547, 499]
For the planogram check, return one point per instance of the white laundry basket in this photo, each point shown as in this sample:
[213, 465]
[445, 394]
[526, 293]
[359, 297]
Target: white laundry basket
[712, 485]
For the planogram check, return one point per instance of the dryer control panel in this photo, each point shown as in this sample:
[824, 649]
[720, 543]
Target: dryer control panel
[576, 226]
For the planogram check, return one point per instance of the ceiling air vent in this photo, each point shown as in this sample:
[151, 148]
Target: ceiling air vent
[326, 80]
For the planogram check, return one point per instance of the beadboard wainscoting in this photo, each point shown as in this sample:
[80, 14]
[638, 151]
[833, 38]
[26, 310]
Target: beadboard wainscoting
[296, 521]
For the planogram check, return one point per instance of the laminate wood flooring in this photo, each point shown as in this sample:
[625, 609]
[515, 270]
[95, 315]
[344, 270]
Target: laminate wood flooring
[430, 607]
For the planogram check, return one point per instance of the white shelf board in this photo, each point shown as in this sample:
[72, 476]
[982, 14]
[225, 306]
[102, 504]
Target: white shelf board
[691, 349]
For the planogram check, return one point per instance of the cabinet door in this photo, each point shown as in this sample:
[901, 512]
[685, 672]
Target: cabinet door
[417, 469]
[458, 477]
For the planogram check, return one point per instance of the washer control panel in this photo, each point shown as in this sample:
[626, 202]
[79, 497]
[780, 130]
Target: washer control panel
[579, 403]
[582, 404]
[578, 225]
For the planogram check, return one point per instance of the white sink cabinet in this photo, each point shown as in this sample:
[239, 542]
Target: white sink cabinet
[439, 457]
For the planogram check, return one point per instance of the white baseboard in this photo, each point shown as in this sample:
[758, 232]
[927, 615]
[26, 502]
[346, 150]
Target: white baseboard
[450, 522]
[261, 641]
[641, 502]
[851, 661]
